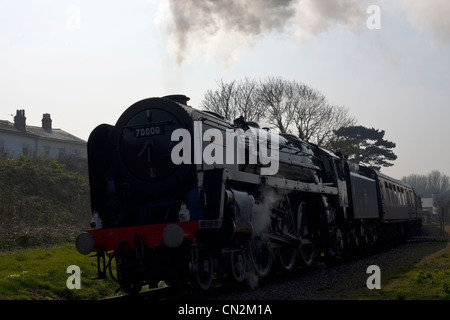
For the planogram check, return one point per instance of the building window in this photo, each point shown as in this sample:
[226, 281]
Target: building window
[47, 151]
[26, 150]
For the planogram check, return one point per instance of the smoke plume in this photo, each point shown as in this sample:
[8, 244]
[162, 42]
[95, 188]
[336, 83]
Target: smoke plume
[432, 15]
[221, 27]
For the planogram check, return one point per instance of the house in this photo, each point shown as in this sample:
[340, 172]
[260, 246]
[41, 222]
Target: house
[427, 210]
[436, 208]
[19, 138]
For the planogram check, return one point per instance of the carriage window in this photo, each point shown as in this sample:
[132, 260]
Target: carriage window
[397, 198]
[394, 193]
[388, 192]
[402, 191]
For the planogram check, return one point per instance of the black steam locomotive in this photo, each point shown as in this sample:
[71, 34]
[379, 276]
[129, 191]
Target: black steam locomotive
[185, 196]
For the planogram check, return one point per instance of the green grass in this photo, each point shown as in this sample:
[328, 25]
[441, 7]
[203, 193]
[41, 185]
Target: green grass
[429, 279]
[422, 273]
[41, 274]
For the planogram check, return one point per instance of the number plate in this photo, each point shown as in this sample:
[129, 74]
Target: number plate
[148, 131]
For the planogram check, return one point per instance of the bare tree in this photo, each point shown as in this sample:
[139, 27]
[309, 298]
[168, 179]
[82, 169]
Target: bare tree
[310, 112]
[438, 182]
[292, 105]
[222, 100]
[279, 100]
[235, 99]
[288, 106]
[248, 101]
[426, 185]
[419, 183]
[338, 117]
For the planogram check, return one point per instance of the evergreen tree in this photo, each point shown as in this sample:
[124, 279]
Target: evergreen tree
[365, 146]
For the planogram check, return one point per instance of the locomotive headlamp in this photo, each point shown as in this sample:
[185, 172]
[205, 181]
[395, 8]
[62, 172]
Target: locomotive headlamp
[173, 235]
[85, 243]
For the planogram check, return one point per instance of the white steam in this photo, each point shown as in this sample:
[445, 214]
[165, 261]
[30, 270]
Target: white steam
[262, 219]
[262, 212]
[432, 15]
[221, 28]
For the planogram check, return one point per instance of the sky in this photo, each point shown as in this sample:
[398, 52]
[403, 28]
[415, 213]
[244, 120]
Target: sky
[85, 62]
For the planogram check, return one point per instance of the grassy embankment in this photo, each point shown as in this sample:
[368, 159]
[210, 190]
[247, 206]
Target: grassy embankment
[426, 278]
[44, 205]
[42, 202]
[414, 271]
[41, 274]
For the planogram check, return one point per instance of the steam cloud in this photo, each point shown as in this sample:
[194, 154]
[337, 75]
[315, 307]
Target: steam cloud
[432, 15]
[226, 25]
[221, 28]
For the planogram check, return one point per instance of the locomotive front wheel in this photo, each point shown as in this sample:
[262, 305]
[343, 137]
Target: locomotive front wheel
[202, 268]
[238, 265]
[307, 235]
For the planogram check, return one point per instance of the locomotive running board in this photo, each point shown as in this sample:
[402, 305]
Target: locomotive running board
[277, 182]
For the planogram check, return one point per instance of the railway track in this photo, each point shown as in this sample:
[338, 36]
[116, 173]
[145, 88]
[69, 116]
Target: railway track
[164, 293]
[420, 239]
[223, 287]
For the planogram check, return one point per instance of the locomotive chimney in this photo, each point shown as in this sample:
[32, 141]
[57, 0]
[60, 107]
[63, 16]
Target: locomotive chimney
[180, 98]
[46, 122]
[20, 120]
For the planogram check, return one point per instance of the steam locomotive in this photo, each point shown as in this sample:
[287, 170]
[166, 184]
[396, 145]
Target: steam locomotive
[186, 196]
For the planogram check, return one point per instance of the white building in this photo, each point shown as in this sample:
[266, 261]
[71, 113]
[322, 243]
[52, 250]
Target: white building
[427, 209]
[18, 138]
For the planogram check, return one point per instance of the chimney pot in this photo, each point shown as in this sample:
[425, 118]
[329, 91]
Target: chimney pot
[20, 120]
[46, 122]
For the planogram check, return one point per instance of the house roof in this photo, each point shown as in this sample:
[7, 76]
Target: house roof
[39, 132]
